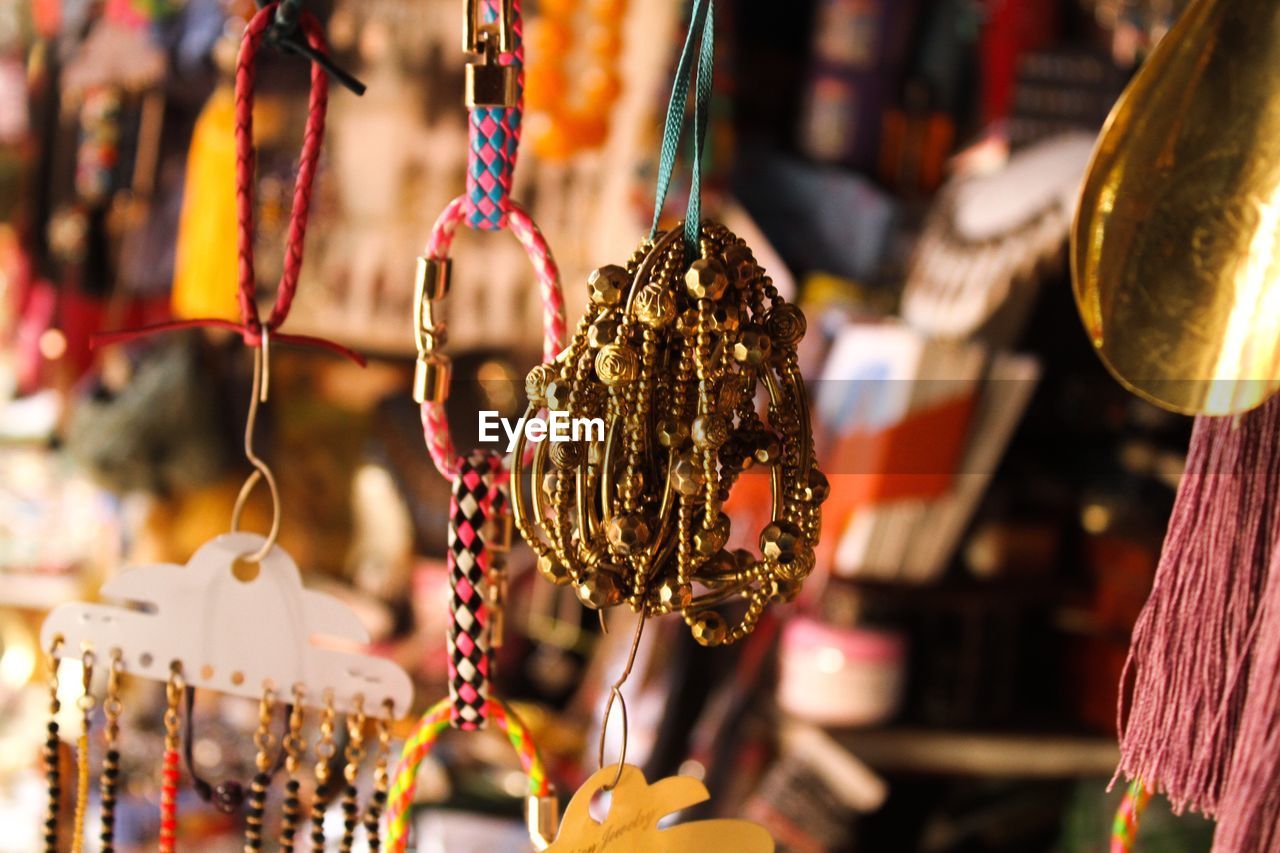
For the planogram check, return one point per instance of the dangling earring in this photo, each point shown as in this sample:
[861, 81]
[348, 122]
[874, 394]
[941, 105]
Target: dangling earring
[258, 789]
[51, 749]
[378, 799]
[354, 754]
[324, 753]
[172, 755]
[111, 757]
[85, 704]
[294, 746]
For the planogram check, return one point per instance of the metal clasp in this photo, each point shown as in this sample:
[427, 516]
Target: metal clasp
[488, 83]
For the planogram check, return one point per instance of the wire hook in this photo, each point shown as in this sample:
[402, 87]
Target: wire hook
[261, 471]
[615, 694]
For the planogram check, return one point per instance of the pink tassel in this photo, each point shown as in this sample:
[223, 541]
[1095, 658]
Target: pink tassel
[1189, 661]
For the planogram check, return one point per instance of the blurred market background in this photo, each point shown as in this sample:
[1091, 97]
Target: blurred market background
[906, 170]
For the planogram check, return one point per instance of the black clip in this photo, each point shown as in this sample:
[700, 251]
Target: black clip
[285, 34]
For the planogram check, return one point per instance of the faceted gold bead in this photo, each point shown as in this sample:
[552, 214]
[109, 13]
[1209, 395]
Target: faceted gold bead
[786, 324]
[740, 264]
[687, 322]
[601, 589]
[672, 433]
[709, 432]
[768, 449]
[724, 317]
[752, 346]
[780, 541]
[674, 595]
[818, 488]
[535, 383]
[718, 565]
[557, 394]
[617, 364]
[687, 475]
[708, 628]
[707, 541]
[601, 332]
[607, 284]
[553, 570]
[565, 454]
[655, 306]
[628, 533]
[706, 279]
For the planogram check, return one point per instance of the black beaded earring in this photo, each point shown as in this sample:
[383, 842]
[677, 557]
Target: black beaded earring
[228, 795]
[51, 750]
[110, 778]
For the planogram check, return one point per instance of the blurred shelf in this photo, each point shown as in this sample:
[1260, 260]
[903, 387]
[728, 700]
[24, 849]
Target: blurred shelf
[33, 591]
[956, 753]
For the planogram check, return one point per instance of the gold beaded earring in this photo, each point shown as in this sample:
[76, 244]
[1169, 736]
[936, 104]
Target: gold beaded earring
[85, 704]
[294, 747]
[354, 754]
[263, 741]
[381, 779]
[325, 750]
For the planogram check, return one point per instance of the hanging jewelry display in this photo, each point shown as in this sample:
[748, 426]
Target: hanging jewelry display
[228, 795]
[236, 617]
[325, 750]
[354, 754]
[479, 526]
[670, 356]
[378, 799]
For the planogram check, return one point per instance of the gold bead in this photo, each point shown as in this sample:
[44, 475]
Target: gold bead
[706, 279]
[557, 394]
[779, 590]
[687, 322]
[550, 481]
[673, 595]
[779, 541]
[786, 324]
[800, 566]
[718, 566]
[600, 590]
[553, 570]
[709, 432]
[431, 378]
[565, 454]
[752, 346]
[617, 365]
[733, 390]
[606, 285]
[724, 317]
[708, 628]
[707, 541]
[818, 488]
[740, 264]
[655, 306]
[601, 332]
[687, 475]
[768, 449]
[672, 433]
[628, 534]
[535, 383]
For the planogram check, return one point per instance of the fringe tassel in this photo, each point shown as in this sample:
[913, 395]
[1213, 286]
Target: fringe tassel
[1187, 679]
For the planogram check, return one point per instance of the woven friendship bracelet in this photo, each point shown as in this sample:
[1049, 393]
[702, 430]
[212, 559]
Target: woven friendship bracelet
[476, 498]
[419, 744]
[494, 138]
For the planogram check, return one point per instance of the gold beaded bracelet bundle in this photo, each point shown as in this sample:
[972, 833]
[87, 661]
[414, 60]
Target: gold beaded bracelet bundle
[671, 356]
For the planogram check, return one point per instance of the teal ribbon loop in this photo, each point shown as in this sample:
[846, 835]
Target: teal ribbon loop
[699, 44]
